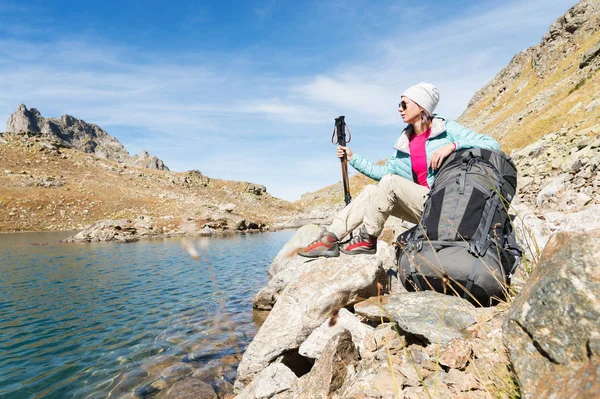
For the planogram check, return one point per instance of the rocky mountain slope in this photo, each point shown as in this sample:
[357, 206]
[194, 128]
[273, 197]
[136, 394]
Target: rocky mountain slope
[45, 185]
[71, 132]
[544, 108]
[553, 87]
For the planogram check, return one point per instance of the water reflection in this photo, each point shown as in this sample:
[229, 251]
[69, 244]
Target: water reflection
[82, 320]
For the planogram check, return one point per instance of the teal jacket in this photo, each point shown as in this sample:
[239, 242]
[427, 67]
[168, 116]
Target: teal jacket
[442, 132]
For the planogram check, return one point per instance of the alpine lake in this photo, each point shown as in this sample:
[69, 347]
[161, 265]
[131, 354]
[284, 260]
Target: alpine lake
[101, 320]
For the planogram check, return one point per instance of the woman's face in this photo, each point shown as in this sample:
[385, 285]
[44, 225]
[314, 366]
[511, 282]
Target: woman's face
[409, 110]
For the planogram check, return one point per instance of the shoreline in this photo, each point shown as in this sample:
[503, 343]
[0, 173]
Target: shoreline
[149, 233]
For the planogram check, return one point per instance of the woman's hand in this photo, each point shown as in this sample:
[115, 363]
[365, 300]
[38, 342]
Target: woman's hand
[438, 156]
[340, 152]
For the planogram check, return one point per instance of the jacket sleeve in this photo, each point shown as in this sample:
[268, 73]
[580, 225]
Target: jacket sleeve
[465, 138]
[393, 165]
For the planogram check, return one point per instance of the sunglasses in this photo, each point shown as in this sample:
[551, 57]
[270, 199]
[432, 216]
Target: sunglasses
[403, 105]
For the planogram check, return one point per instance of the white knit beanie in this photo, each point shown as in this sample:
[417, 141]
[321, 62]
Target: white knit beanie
[424, 94]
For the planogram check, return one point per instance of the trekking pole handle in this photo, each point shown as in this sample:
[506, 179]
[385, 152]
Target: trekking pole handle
[340, 129]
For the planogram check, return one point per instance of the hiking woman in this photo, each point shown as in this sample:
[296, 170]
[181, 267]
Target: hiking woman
[404, 179]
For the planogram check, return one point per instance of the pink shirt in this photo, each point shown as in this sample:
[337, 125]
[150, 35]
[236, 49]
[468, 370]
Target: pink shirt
[418, 157]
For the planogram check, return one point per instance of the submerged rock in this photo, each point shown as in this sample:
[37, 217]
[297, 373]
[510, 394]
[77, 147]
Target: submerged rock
[191, 388]
[274, 379]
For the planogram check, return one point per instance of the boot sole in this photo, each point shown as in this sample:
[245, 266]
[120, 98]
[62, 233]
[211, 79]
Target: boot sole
[332, 254]
[360, 251]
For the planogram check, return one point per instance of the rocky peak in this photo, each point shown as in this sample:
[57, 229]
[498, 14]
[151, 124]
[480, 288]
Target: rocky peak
[24, 120]
[68, 120]
[148, 161]
[78, 134]
[573, 20]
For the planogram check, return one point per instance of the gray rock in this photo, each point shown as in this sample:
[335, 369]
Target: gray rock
[552, 331]
[575, 108]
[463, 382]
[194, 178]
[572, 164]
[177, 371]
[533, 149]
[223, 387]
[591, 107]
[325, 286]
[589, 56]
[274, 379]
[229, 207]
[316, 341]
[584, 220]
[430, 315]
[336, 364]
[581, 200]
[287, 266]
[550, 189]
[266, 297]
[121, 230]
[456, 354]
[255, 189]
[378, 382]
[385, 336]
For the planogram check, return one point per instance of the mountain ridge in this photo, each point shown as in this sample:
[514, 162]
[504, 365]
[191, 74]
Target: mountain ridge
[69, 131]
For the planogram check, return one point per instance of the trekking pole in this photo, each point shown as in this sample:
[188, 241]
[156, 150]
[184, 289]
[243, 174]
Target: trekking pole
[340, 129]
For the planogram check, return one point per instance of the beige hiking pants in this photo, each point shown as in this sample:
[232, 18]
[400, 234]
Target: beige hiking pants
[393, 195]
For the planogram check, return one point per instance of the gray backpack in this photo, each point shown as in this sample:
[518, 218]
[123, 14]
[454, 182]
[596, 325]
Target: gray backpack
[464, 243]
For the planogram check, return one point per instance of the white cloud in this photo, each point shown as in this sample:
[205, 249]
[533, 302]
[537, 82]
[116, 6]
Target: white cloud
[233, 115]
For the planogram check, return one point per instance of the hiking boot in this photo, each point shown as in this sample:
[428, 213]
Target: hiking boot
[362, 243]
[326, 245]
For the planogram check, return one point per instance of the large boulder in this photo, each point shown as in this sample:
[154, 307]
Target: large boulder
[552, 331]
[287, 266]
[337, 364]
[325, 286]
[434, 317]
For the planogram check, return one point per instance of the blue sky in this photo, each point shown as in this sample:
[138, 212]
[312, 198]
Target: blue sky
[249, 90]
